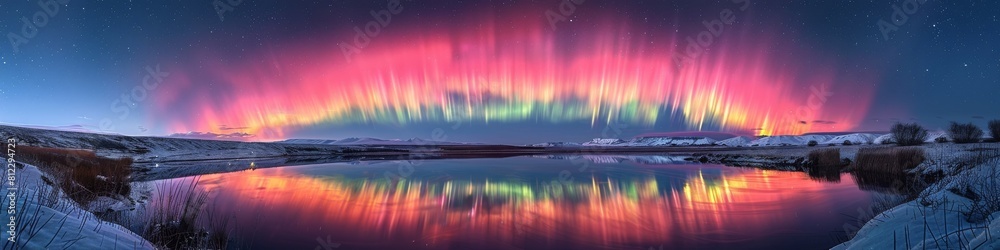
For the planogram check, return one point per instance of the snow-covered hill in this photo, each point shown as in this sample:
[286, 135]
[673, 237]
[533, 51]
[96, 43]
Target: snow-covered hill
[604, 142]
[855, 139]
[932, 136]
[652, 142]
[672, 141]
[614, 159]
[739, 141]
[159, 149]
[884, 139]
[556, 144]
[789, 140]
[370, 141]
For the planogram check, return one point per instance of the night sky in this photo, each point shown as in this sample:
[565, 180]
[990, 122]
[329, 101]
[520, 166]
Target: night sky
[496, 71]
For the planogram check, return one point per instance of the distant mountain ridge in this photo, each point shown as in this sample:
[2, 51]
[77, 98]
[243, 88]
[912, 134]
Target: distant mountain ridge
[371, 141]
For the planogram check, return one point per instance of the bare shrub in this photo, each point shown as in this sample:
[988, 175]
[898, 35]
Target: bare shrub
[995, 130]
[909, 134]
[965, 133]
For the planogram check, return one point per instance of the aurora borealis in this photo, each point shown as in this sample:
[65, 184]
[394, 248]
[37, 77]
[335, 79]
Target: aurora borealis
[270, 72]
[473, 76]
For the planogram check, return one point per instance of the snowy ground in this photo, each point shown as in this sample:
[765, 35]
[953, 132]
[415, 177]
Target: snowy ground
[160, 149]
[47, 219]
[958, 212]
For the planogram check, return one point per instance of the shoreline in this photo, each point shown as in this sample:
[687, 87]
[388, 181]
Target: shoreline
[951, 193]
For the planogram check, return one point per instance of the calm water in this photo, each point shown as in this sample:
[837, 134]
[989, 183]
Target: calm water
[565, 202]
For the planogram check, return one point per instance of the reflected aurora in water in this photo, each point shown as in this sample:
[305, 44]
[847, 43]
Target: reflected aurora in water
[641, 209]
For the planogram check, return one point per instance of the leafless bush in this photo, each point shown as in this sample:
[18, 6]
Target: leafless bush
[909, 134]
[965, 133]
[995, 130]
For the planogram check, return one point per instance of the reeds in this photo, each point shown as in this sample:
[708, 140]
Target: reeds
[825, 164]
[888, 160]
[825, 157]
[885, 170]
[178, 219]
[81, 174]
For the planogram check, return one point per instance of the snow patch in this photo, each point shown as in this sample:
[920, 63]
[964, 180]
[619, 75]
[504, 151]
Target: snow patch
[740, 141]
[855, 139]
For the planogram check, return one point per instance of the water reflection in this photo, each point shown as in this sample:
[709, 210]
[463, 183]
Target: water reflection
[520, 204]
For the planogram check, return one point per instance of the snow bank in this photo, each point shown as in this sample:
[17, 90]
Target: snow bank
[957, 212]
[61, 223]
[932, 136]
[914, 226]
[884, 139]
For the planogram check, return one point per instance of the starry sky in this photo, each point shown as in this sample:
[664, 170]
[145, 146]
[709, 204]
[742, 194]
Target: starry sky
[495, 71]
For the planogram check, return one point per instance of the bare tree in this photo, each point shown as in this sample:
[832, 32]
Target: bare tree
[995, 130]
[965, 133]
[909, 134]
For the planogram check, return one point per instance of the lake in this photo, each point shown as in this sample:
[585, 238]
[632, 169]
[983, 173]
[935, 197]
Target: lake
[527, 202]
